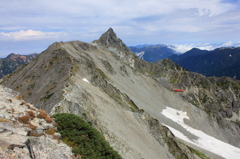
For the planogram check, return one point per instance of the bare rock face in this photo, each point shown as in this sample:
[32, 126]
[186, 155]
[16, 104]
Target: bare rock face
[24, 130]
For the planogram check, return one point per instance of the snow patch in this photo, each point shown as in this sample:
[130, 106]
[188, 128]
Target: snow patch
[175, 115]
[84, 79]
[204, 141]
[140, 54]
[179, 134]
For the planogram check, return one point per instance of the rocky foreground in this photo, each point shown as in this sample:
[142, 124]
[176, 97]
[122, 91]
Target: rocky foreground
[27, 132]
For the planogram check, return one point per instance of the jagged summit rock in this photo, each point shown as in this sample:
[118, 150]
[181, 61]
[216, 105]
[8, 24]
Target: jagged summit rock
[110, 40]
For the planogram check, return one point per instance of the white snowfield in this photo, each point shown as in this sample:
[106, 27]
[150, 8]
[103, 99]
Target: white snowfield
[204, 141]
[84, 79]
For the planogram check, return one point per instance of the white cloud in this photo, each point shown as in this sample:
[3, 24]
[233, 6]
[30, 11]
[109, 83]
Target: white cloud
[206, 47]
[230, 43]
[134, 21]
[182, 48]
[183, 28]
[30, 35]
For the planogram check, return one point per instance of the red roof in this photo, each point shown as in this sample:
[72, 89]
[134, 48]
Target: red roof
[178, 90]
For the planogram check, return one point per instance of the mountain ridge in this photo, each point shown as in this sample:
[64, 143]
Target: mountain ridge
[123, 96]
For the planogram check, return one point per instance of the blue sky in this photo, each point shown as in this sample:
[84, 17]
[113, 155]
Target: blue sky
[29, 26]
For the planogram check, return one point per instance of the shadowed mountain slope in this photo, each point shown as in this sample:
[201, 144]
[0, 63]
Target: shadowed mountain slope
[153, 53]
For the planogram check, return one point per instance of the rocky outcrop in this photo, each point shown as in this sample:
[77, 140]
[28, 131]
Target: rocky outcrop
[26, 132]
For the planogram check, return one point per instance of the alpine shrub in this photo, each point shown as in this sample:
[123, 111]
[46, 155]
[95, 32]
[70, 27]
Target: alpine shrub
[84, 139]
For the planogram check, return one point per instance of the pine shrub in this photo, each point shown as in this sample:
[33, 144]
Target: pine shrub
[84, 139]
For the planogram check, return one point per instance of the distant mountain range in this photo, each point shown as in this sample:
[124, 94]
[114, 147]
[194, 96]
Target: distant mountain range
[152, 53]
[219, 62]
[13, 61]
[224, 61]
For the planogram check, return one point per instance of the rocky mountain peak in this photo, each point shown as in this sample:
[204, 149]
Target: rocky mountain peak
[10, 55]
[16, 57]
[111, 42]
[109, 39]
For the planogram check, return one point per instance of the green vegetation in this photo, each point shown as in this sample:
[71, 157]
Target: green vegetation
[199, 154]
[101, 73]
[32, 86]
[172, 80]
[235, 86]
[205, 98]
[60, 71]
[48, 96]
[58, 49]
[84, 139]
[223, 83]
[237, 121]
[133, 106]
